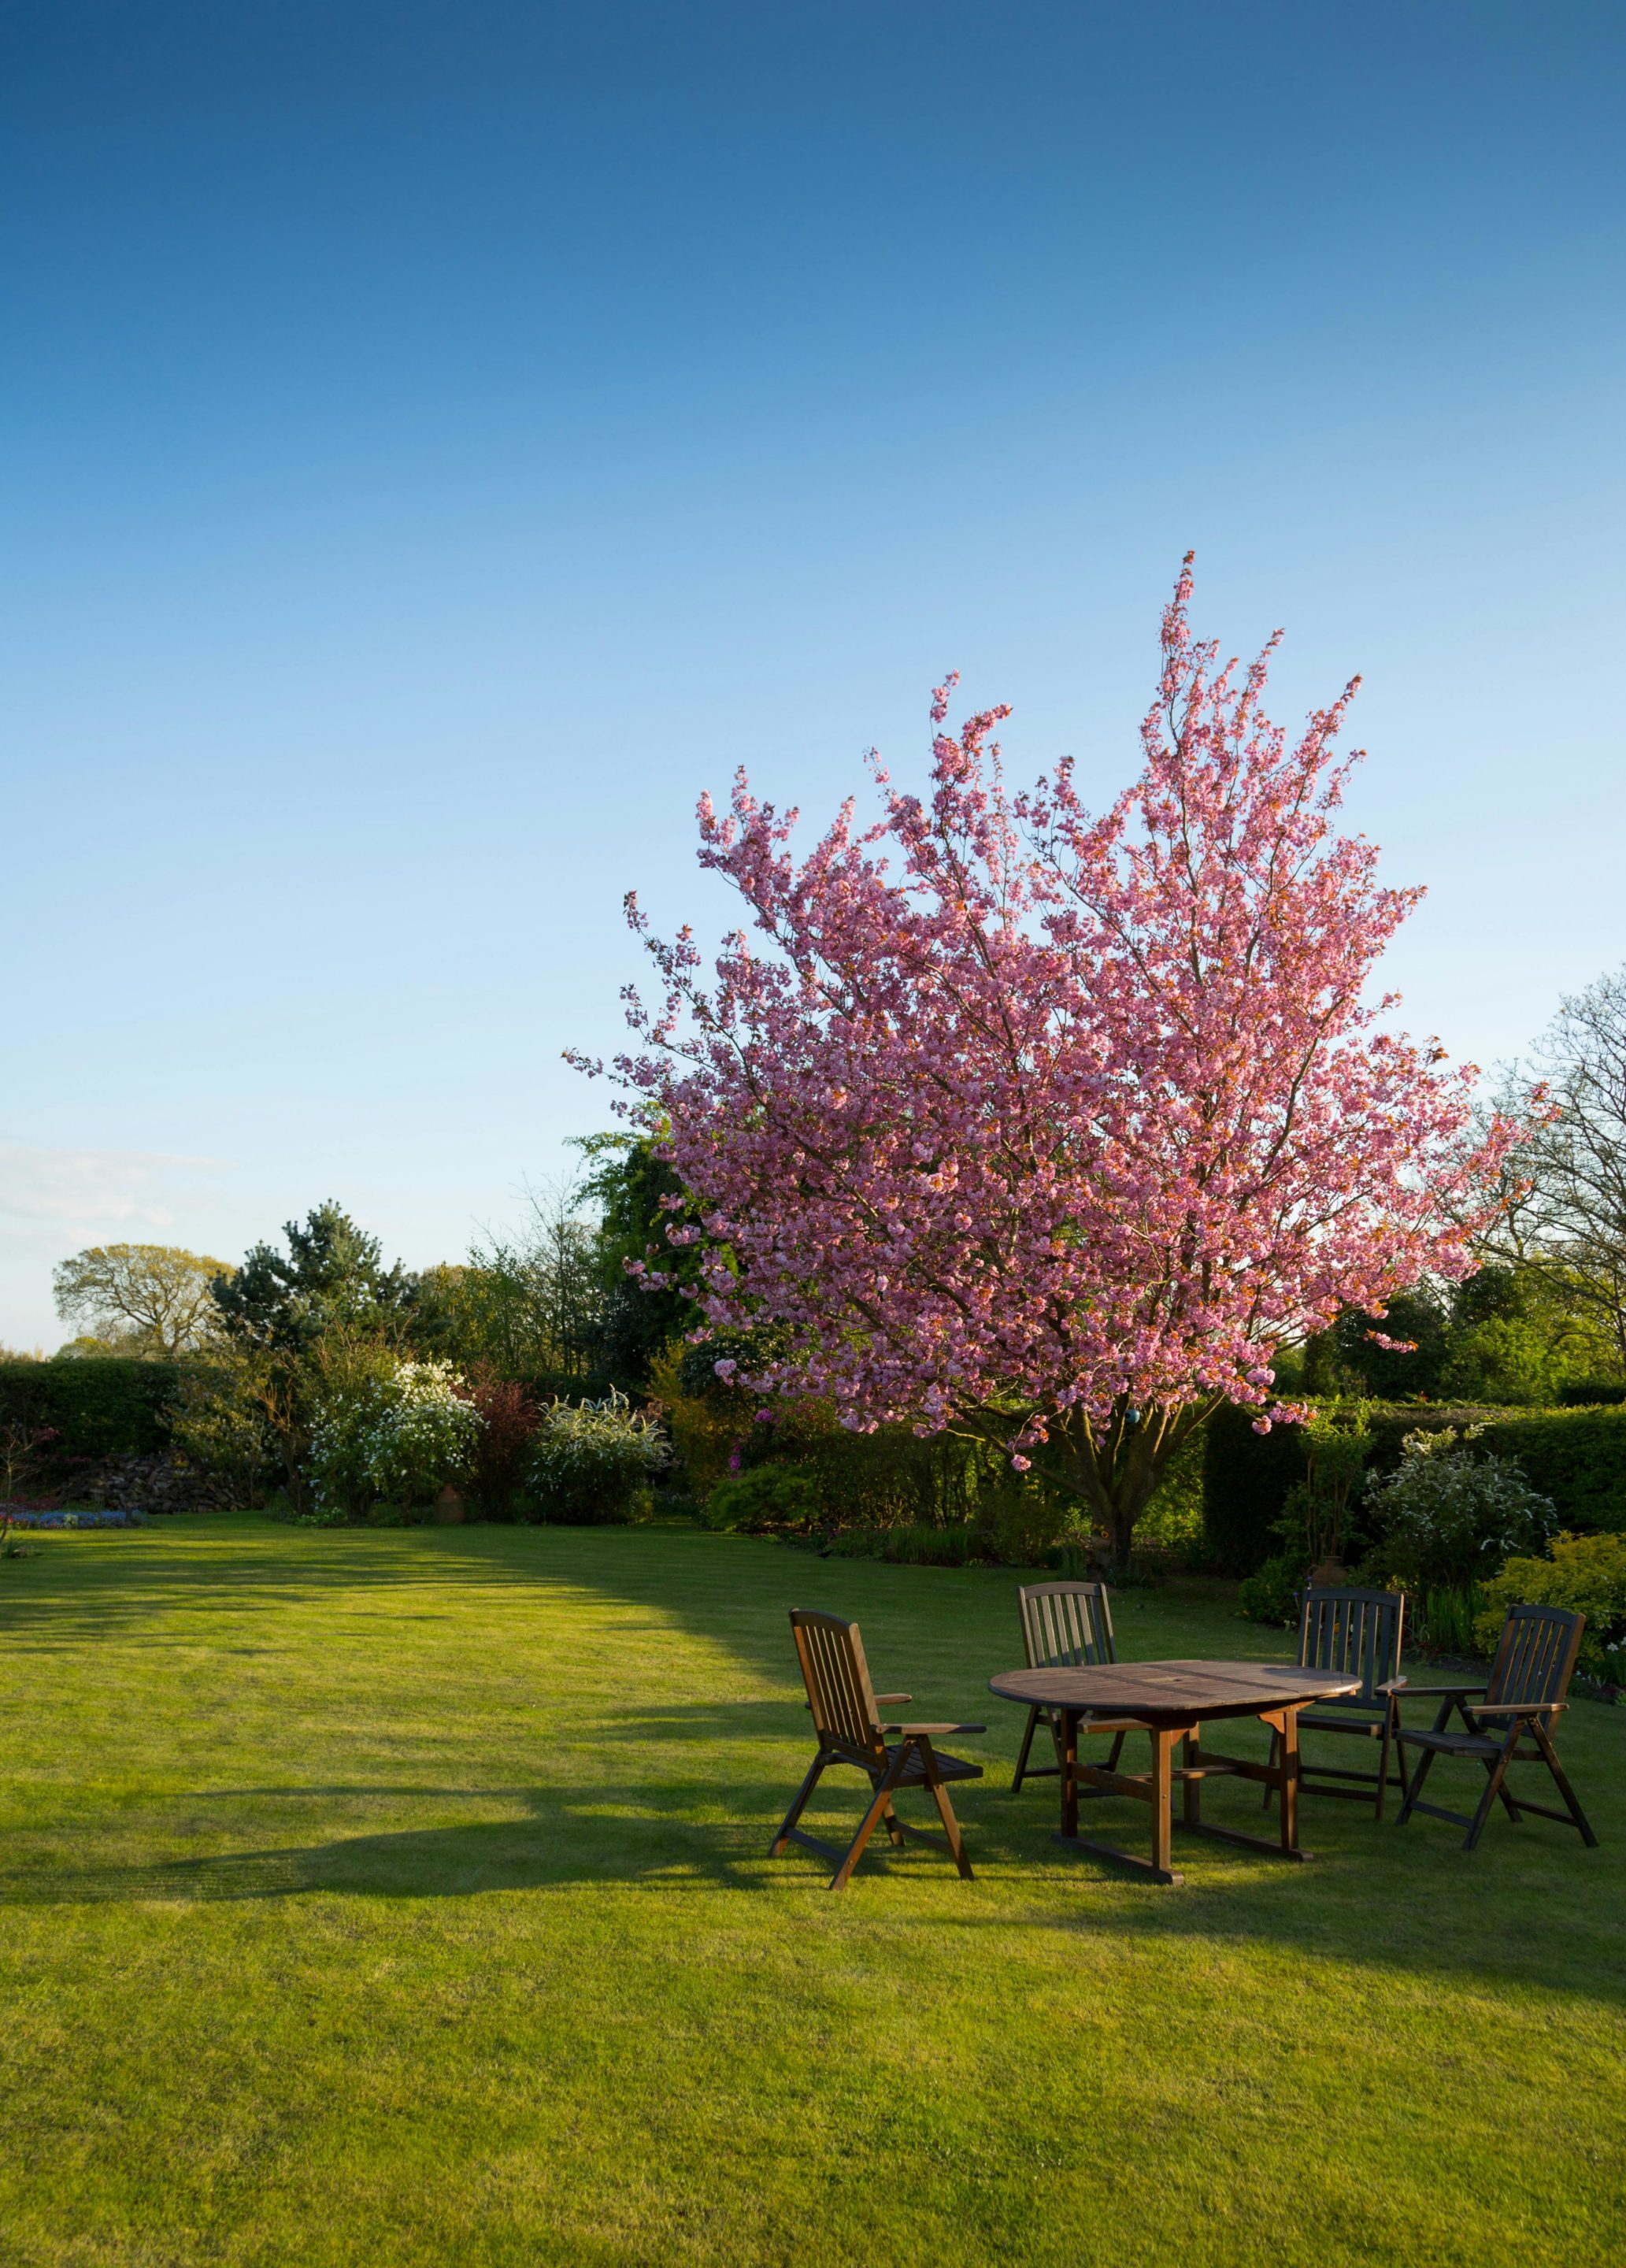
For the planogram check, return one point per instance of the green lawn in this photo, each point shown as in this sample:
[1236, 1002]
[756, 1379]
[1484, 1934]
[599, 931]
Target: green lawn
[400, 1896]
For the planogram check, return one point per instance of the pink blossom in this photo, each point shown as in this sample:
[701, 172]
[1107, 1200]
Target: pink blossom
[1000, 1107]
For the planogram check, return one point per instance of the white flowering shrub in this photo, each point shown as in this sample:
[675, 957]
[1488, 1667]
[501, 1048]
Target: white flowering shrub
[594, 1461]
[1448, 1516]
[394, 1439]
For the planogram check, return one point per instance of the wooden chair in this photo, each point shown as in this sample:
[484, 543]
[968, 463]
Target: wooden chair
[1356, 1633]
[846, 1714]
[1526, 1690]
[1067, 1626]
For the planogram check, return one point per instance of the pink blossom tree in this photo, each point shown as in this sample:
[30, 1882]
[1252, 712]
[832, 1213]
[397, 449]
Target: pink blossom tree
[1052, 1129]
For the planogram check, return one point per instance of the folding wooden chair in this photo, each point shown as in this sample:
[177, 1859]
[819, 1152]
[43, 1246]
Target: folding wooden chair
[1526, 1690]
[1356, 1634]
[846, 1714]
[1067, 1626]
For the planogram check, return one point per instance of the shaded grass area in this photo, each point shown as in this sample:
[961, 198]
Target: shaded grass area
[400, 1896]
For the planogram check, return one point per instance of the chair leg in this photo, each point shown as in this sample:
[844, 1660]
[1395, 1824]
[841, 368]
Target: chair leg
[1497, 1774]
[1115, 1752]
[945, 1811]
[1414, 1790]
[1383, 1762]
[1270, 1761]
[880, 1804]
[1543, 1740]
[1502, 1789]
[889, 1820]
[1027, 1743]
[800, 1804]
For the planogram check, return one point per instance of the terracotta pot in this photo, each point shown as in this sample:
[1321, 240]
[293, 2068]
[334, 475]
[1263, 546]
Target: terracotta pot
[449, 1506]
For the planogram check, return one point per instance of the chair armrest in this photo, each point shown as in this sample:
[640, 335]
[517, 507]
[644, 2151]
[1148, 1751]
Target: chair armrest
[1519, 1708]
[1397, 1685]
[892, 1700]
[1434, 1690]
[932, 1731]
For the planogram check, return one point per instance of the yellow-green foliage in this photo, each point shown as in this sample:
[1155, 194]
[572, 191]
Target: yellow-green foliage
[889, 1478]
[1587, 1574]
[703, 1433]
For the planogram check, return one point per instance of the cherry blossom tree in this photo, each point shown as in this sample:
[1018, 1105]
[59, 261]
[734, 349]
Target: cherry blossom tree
[1049, 1128]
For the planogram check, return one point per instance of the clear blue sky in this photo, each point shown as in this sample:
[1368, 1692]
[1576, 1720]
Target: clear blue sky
[438, 441]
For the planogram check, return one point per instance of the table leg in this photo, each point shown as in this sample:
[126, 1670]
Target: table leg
[1191, 1790]
[1281, 1777]
[1157, 1785]
[1287, 1756]
[1162, 1799]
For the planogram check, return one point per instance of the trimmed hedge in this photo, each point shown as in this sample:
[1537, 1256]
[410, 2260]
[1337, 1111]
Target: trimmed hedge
[1575, 1456]
[1578, 1457]
[1246, 1478]
[102, 1406]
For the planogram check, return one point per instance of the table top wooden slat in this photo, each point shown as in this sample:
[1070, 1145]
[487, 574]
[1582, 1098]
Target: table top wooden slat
[1173, 1691]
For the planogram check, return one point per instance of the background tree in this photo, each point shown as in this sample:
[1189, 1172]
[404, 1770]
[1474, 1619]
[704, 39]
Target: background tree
[638, 1194]
[293, 1331]
[526, 1304]
[140, 1299]
[1058, 1128]
[1565, 1220]
[1502, 1337]
[334, 1273]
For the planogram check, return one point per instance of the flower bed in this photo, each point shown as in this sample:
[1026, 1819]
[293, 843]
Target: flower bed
[29, 1515]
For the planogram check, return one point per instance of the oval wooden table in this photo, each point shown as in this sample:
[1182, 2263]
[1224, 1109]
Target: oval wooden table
[1170, 1700]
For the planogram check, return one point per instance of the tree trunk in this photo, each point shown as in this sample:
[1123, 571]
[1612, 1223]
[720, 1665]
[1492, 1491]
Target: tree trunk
[1114, 1468]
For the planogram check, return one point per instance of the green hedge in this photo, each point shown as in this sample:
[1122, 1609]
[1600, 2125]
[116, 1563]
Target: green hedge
[106, 1405]
[1246, 1478]
[1576, 1457]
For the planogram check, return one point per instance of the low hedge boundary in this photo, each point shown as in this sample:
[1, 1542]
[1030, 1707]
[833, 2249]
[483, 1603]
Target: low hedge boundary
[1575, 1456]
[99, 1406]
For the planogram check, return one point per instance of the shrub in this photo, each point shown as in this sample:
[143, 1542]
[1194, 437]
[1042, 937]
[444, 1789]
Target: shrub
[916, 1545]
[220, 1418]
[501, 1447]
[593, 1462]
[768, 1500]
[890, 1478]
[1586, 1573]
[397, 1435]
[1271, 1593]
[1448, 1515]
[1024, 1525]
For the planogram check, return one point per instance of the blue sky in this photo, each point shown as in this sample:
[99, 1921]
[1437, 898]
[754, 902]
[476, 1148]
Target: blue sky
[437, 442]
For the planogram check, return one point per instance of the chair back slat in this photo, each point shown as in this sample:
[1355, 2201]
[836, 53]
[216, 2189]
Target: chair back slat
[1353, 1633]
[1066, 1626]
[837, 1678]
[1535, 1658]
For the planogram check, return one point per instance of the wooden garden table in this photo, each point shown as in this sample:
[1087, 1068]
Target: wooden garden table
[1171, 1700]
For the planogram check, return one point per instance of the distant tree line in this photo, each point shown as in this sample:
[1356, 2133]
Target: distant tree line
[551, 1309]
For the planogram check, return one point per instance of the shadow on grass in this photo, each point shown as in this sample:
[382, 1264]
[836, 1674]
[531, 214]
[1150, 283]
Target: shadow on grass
[111, 1584]
[1531, 1910]
[1531, 1907]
